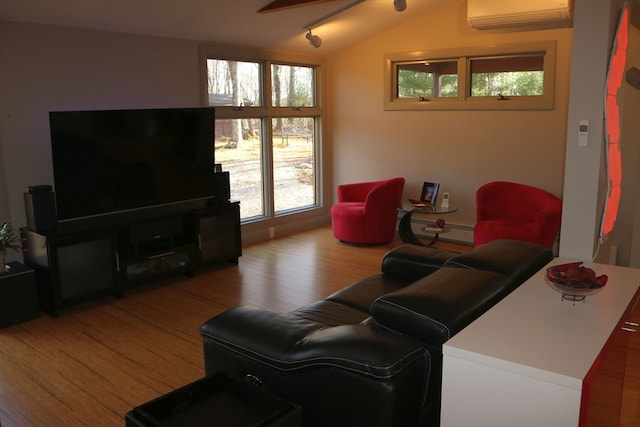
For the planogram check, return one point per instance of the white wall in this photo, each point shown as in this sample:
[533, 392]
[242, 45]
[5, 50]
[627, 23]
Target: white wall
[459, 149]
[585, 184]
[46, 68]
[584, 191]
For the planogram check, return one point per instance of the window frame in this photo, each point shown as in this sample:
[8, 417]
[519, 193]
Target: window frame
[464, 100]
[266, 113]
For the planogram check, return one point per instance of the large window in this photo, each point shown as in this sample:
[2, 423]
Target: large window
[267, 132]
[501, 77]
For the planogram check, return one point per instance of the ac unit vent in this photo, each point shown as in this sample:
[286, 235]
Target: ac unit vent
[487, 14]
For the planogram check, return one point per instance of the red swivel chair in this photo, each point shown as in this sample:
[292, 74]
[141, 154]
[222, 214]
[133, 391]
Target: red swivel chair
[508, 210]
[367, 212]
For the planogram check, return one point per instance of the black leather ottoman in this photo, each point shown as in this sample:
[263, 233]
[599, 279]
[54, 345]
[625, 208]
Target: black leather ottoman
[216, 401]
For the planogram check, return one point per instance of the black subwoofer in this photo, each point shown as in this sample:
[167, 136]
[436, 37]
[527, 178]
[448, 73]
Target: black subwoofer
[40, 207]
[223, 188]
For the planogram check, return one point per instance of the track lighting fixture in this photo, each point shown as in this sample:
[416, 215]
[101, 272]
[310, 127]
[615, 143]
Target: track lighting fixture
[315, 41]
[399, 5]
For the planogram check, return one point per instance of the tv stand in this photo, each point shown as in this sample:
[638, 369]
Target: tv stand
[78, 265]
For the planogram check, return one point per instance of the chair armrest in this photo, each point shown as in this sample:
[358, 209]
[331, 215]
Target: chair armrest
[548, 220]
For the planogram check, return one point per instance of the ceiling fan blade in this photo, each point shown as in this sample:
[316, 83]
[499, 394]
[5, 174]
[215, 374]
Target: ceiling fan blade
[277, 5]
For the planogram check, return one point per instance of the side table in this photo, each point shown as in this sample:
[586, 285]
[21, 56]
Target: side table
[434, 232]
[406, 232]
[18, 295]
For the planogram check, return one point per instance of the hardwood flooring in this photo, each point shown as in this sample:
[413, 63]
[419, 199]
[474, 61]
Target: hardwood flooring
[95, 362]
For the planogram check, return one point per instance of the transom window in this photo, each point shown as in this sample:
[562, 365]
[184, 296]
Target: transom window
[502, 77]
[293, 86]
[427, 79]
[509, 75]
[234, 83]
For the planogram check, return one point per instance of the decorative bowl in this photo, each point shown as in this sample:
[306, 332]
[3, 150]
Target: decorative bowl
[574, 281]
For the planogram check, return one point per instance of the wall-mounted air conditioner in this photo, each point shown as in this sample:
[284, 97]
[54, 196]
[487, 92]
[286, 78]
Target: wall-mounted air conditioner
[485, 14]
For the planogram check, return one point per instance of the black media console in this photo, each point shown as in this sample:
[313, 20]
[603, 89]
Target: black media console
[77, 265]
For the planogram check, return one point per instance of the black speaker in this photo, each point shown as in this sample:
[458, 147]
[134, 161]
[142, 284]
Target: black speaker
[40, 206]
[223, 188]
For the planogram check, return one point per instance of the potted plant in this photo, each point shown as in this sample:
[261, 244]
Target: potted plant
[9, 239]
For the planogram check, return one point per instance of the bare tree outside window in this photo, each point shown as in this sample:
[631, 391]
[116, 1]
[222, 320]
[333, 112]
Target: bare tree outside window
[285, 180]
[294, 164]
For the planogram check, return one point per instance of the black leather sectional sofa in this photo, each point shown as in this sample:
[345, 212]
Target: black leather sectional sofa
[371, 354]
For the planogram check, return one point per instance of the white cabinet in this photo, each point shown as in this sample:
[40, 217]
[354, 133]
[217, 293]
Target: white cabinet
[528, 360]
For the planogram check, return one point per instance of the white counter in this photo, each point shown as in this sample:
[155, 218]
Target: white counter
[524, 361]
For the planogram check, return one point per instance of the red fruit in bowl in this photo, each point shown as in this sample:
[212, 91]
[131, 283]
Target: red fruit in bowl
[589, 274]
[573, 273]
[576, 276]
[565, 267]
[602, 280]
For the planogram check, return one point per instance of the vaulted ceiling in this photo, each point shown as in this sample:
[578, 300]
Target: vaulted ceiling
[224, 21]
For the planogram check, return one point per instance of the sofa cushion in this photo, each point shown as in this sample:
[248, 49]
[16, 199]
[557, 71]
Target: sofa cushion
[413, 262]
[516, 259]
[436, 307]
[361, 294]
[331, 313]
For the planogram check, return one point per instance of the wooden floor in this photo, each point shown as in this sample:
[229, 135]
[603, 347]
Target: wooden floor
[93, 363]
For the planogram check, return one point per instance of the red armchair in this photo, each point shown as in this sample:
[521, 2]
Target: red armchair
[367, 212]
[508, 210]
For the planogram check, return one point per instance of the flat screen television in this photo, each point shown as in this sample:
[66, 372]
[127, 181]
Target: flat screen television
[112, 161]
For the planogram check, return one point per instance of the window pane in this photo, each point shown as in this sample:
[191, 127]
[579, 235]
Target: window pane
[233, 83]
[427, 79]
[239, 150]
[508, 76]
[293, 163]
[292, 86]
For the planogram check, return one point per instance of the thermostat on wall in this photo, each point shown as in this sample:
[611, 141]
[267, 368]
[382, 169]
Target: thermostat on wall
[583, 133]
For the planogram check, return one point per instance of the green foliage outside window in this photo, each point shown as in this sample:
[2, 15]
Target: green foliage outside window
[519, 83]
[412, 84]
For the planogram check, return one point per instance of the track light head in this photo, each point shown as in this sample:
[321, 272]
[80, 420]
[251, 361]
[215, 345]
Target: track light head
[399, 5]
[314, 41]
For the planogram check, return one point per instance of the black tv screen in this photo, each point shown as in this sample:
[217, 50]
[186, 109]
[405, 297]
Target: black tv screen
[112, 161]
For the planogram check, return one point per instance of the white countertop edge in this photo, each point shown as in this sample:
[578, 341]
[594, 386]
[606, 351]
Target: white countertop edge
[515, 368]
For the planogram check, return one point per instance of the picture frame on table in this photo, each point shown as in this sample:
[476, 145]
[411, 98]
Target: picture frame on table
[429, 192]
